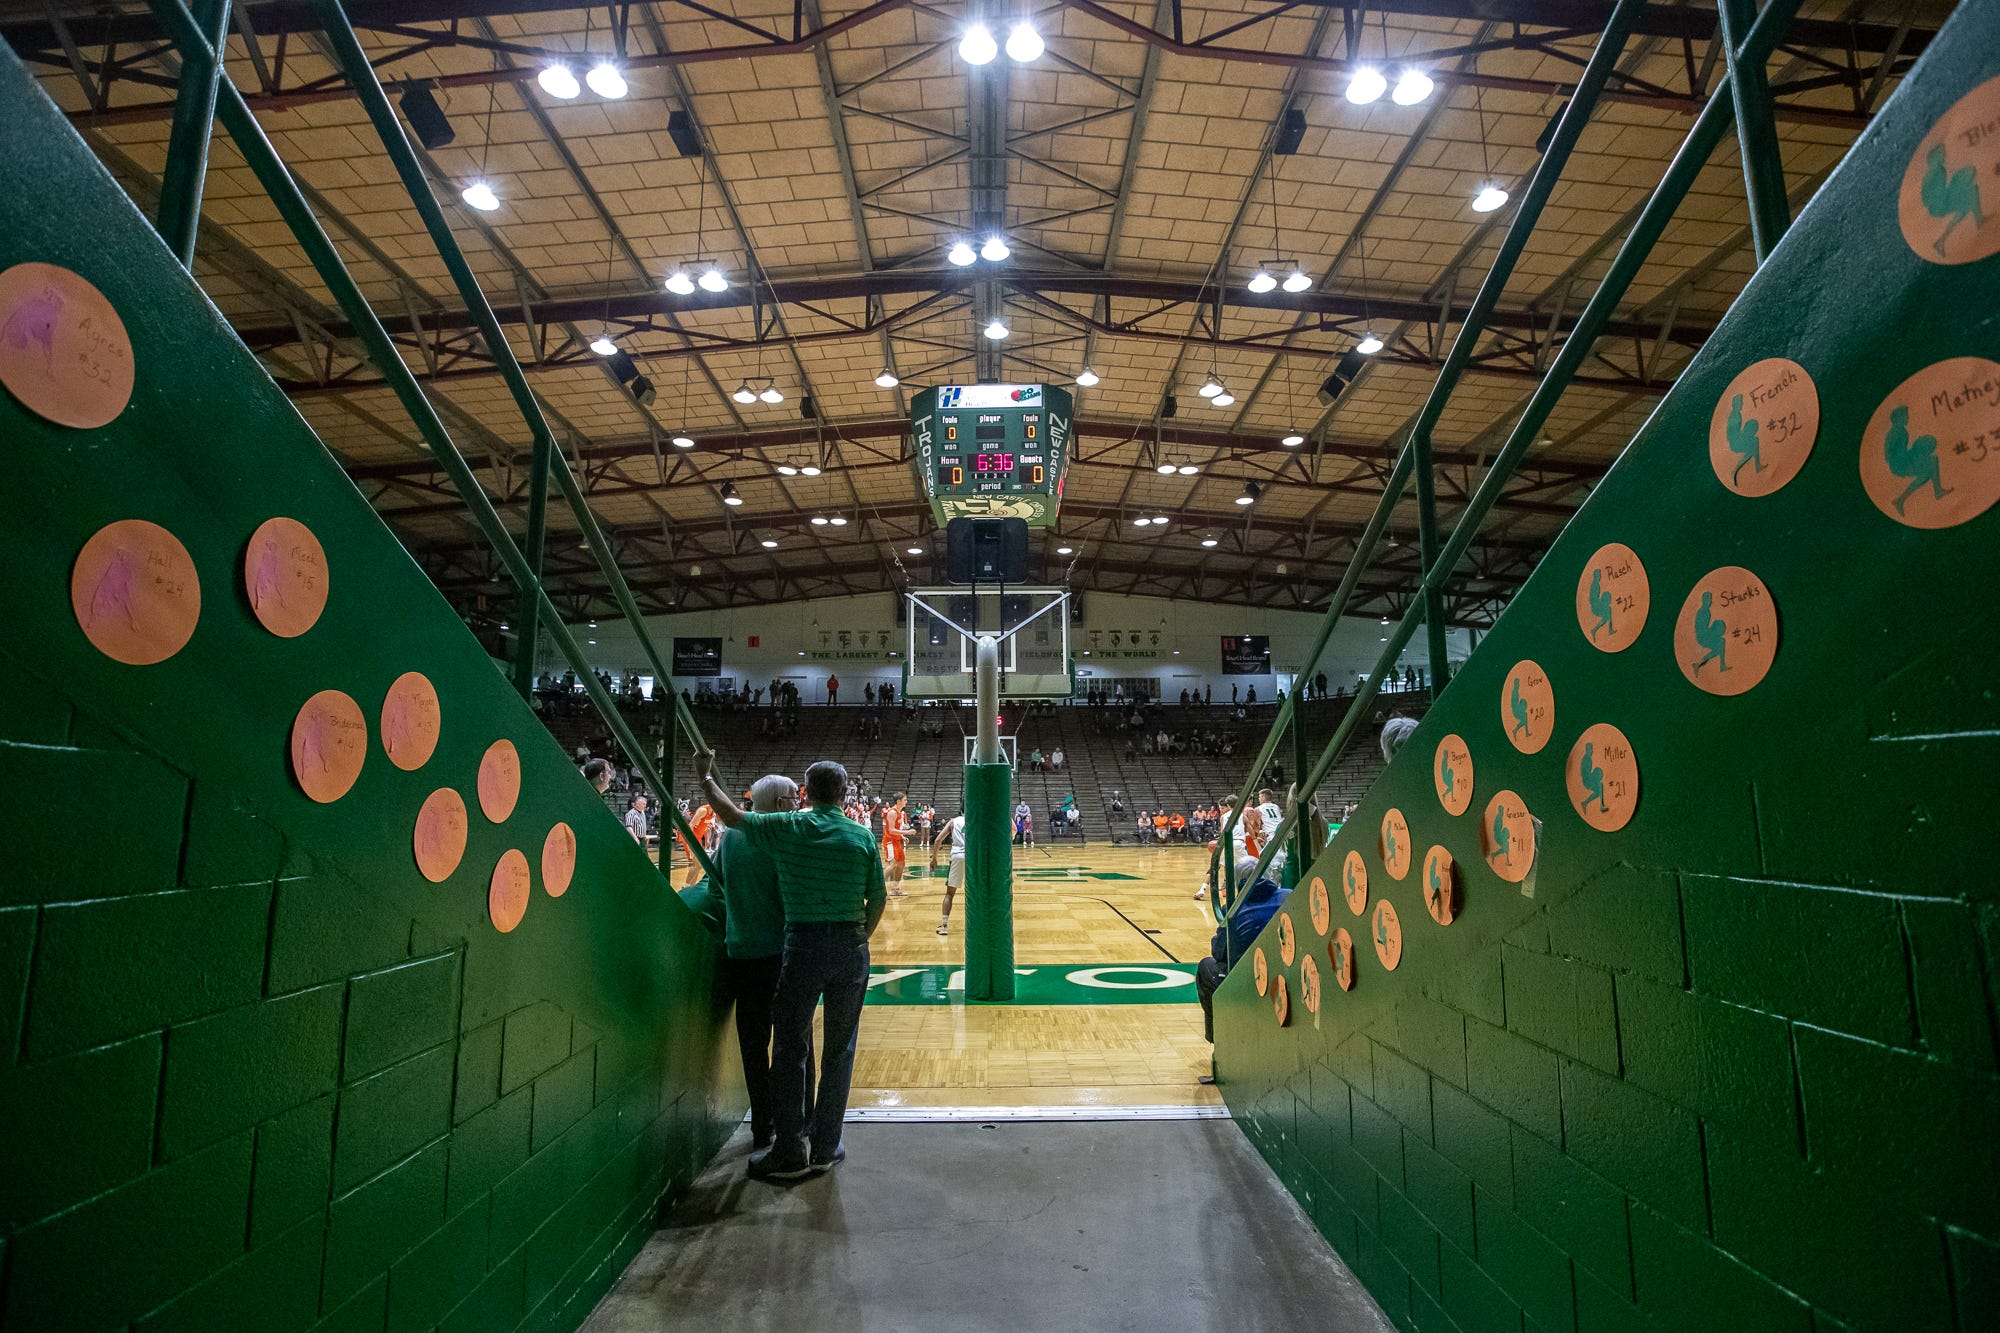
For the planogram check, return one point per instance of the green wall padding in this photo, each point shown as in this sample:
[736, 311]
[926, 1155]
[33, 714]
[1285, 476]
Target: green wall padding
[989, 882]
[254, 1070]
[1731, 1066]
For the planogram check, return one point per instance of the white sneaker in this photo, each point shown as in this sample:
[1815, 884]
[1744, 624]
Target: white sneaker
[944, 927]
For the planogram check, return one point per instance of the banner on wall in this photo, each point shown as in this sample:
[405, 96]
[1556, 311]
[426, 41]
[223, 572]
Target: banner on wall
[851, 645]
[1125, 644]
[697, 657]
[1246, 654]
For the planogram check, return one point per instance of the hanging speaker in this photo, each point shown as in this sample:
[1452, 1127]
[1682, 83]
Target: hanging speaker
[1169, 405]
[1331, 389]
[426, 117]
[1291, 133]
[986, 550]
[1349, 365]
[687, 140]
[807, 408]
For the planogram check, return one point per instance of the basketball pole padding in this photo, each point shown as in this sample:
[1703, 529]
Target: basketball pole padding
[989, 859]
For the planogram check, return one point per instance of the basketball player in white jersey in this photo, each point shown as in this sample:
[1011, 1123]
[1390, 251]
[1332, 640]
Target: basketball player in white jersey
[954, 832]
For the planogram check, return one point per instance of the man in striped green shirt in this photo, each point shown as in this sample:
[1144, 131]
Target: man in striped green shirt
[830, 879]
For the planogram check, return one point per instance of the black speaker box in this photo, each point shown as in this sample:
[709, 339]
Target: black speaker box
[986, 550]
[427, 118]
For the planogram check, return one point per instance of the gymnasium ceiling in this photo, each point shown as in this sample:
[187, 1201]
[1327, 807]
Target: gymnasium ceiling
[844, 148]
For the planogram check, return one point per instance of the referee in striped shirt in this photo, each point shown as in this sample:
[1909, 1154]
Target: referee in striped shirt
[830, 878]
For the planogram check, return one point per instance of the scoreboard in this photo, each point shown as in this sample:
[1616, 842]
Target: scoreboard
[993, 450]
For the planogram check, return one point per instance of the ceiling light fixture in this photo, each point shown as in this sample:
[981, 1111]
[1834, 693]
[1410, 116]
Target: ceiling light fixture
[1211, 541]
[744, 393]
[771, 394]
[977, 47]
[1293, 441]
[1223, 399]
[769, 543]
[1065, 550]
[1024, 44]
[1166, 468]
[683, 442]
[713, 279]
[1369, 345]
[1211, 387]
[602, 345]
[1188, 469]
[809, 470]
[996, 330]
[887, 379]
[962, 254]
[680, 282]
[605, 80]
[994, 250]
[1366, 86]
[838, 521]
[1261, 281]
[1413, 87]
[1489, 198]
[1087, 379]
[1251, 490]
[819, 520]
[914, 550]
[1297, 280]
[729, 495]
[480, 195]
[558, 80]
[1159, 520]
[787, 470]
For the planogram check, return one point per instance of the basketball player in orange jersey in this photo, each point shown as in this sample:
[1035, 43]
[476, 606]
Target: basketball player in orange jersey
[701, 824]
[895, 824]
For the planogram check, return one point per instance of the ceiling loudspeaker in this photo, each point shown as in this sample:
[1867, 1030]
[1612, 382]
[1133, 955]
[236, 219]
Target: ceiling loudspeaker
[1291, 133]
[1331, 389]
[986, 550]
[1169, 405]
[1349, 365]
[687, 139]
[426, 117]
[807, 409]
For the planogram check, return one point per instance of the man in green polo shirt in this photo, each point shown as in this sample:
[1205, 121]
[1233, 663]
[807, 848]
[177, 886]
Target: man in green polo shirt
[830, 880]
[754, 943]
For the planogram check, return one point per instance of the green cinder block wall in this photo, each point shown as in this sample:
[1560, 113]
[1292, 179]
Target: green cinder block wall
[1731, 1067]
[255, 1072]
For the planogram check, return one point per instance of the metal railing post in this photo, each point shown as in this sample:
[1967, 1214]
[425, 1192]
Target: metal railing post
[534, 543]
[1756, 130]
[187, 145]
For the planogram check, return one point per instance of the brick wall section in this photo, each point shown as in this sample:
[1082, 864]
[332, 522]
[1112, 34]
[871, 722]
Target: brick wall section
[255, 1071]
[1732, 1067]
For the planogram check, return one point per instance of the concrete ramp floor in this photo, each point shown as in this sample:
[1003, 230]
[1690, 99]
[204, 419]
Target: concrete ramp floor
[1011, 1227]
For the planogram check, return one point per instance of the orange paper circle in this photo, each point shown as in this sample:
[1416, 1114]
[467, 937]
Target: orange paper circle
[411, 720]
[1763, 427]
[1451, 773]
[1340, 952]
[329, 745]
[1387, 933]
[499, 780]
[63, 350]
[1508, 837]
[1354, 882]
[1528, 707]
[1287, 939]
[284, 576]
[1322, 909]
[1281, 1001]
[1395, 844]
[1603, 778]
[1930, 457]
[1260, 970]
[1727, 633]
[1441, 886]
[1309, 983]
[558, 860]
[1613, 598]
[135, 592]
[1947, 207]
[507, 895]
[439, 839]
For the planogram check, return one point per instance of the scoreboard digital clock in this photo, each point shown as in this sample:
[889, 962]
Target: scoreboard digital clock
[993, 450]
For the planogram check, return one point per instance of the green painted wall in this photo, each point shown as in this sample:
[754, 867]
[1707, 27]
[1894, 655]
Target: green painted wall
[1732, 1067]
[256, 1073]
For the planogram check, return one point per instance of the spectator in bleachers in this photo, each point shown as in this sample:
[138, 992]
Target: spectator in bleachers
[597, 773]
[1035, 764]
[1160, 826]
[1024, 825]
[1177, 824]
[1143, 831]
[1056, 761]
[1074, 816]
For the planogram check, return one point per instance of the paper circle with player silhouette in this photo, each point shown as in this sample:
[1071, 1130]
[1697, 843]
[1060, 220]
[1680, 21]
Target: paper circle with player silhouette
[439, 837]
[558, 860]
[1340, 953]
[1395, 844]
[1930, 456]
[1354, 882]
[1613, 598]
[411, 720]
[507, 893]
[1440, 886]
[1949, 204]
[499, 780]
[1763, 427]
[284, 577]
[329, 745]
[1451, 773]
[1726, 636]
[1320, 906]
[64, 352]
[135, 592]
[1281, 1000]
[1309, 983]
[1603, 776]
[1287, 939]
[1528, 707]
[1260, 970]
[1507, 837]
[1387, 934]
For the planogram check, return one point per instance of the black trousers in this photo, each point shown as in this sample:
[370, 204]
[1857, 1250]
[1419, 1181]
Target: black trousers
[753, 984]
[1208, 975]
[823, 962]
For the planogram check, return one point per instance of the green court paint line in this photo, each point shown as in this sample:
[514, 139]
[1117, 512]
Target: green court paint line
[1059, 983]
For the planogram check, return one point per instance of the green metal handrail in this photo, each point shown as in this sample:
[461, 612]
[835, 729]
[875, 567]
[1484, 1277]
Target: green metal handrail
[277, 181]
[1415, 457]
[1710, 126]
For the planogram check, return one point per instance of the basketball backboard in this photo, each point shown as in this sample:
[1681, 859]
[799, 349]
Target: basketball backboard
[1031, 624]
